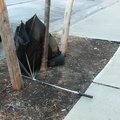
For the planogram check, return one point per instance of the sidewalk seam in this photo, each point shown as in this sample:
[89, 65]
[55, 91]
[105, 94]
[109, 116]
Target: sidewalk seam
[105, 85]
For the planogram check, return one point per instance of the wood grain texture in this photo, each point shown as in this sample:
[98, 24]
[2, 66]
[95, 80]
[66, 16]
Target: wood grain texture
[8, 43]
[65, 33]
[45, 46]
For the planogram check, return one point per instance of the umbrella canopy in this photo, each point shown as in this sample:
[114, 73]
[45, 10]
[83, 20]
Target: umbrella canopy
[29, 38]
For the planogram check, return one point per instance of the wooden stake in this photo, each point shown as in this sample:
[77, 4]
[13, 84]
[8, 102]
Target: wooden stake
[65, 33]
[8, 43]
[45, 46]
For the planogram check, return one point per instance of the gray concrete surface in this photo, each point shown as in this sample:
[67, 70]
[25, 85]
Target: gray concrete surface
[110, 75]
[101, 25]
[104, 106]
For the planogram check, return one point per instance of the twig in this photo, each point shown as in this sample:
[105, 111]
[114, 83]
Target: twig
[6, 87]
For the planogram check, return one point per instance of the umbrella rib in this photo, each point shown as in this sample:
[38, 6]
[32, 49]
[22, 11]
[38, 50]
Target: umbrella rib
[33, 66]
[29, 65]
[32, 24]
[24, 68]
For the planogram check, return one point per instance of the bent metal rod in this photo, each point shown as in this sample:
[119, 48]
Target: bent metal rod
[55, 86]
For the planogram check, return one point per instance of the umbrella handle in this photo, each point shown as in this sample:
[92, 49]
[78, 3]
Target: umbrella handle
[85, 95]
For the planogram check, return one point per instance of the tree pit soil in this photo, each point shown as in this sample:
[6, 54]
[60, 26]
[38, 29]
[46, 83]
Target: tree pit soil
[85, 58]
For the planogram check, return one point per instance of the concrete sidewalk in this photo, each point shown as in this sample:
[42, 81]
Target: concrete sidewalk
[105, 88]
[101, 25]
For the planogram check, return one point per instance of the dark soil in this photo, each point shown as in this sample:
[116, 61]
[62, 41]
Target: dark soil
[85, 58]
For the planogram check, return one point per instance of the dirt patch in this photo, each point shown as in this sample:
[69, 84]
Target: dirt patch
[84, 60]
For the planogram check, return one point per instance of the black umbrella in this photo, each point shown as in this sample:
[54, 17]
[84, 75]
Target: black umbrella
[29, 40]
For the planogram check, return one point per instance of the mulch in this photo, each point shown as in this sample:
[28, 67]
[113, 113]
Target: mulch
[85, 58]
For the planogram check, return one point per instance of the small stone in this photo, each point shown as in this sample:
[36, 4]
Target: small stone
[63, 110]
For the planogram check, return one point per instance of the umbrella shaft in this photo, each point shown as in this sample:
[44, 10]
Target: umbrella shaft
[55, 86]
